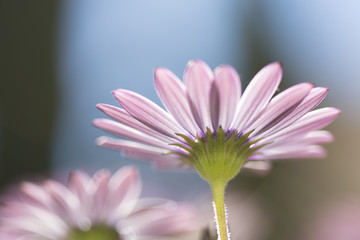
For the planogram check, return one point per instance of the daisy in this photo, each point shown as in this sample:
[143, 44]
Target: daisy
[339, 219]
[99, 207]
[209, 124]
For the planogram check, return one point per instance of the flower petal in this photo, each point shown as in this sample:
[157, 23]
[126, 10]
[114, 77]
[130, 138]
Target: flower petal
[163, 218]
[123, 117]
[171, 221]
[312, 151]
[65, 202]
[33, 220]
[198, 78]
[127, 132]
[139, 151]
[311, 138]
[78, 183]
[311, 121]
[172, 93]
[279, 107]
[259, 167]
[317, 137]
[315, 96]
[225, 95]
[257, 95]
[125, 189]
[148, 113]
[100, 206]
[35, 194]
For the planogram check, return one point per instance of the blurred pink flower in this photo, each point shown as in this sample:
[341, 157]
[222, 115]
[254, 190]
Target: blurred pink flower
[337, 220]
[285, 125]
[102, 204]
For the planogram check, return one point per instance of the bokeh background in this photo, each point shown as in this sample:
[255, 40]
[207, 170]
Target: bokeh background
[58, 59]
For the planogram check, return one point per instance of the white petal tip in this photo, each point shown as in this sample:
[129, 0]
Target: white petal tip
[101, 141]
[258, 167]
[160, 70]
[196, 62]
[118, 92]
[162, 75]
[96, 122]
[130, 171]
[275, 65]
[226, 69]
[190, 63]
[334, 111]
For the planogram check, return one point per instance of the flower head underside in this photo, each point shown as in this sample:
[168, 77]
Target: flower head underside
[208, 112]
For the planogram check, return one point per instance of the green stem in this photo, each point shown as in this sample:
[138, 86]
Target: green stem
[218, 191]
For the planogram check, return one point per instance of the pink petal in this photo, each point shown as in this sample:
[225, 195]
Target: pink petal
[66, 204]
[259, 167]
[172, 93]
[38, 221]
[312, 151]
[125, 189]
[125, 184]
[257, 95]
[315, 96]
[148, 113]
[311, 121]
[122, 145]
[78, 183]
[123, 117]
[225, 95]
[198, 78]
[101, 179]
[170, 221]
[143, 152]
[126, 132]
[311, 138]
[163, 219]
[317, 137]
[279, 107]
[35, 194]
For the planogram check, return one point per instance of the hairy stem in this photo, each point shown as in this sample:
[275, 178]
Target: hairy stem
[218, 190]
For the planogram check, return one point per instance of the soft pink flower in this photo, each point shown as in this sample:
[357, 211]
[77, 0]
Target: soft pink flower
[286, 123]
[53, 211]
[337, 220]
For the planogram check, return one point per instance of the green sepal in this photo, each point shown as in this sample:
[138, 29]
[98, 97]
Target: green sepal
[216, 157]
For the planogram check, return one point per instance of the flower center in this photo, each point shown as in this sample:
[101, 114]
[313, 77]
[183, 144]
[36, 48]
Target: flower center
[97, 232]
[218, 156]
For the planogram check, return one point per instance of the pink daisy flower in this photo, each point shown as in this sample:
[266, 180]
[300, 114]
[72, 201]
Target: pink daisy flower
[208, 102]
[338, 219]
[98, 207]
[209, 124]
